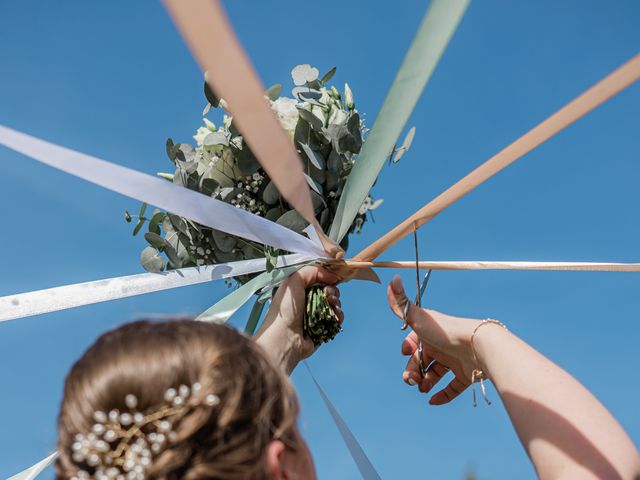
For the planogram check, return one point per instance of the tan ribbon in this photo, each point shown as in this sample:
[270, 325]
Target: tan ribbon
[206, 29]
[596, 95]
[491, 265]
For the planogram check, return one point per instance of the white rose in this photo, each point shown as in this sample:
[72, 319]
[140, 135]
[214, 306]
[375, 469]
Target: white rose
[287, 113]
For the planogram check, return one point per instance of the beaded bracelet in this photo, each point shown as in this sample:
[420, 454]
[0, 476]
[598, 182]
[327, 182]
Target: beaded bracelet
[478, 374]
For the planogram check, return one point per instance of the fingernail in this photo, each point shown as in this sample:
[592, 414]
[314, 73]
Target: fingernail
[396, 285]
[412, 382]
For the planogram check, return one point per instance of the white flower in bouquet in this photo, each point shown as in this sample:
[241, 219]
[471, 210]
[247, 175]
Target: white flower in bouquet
[337, 116]
[202, 132]
[287, 113]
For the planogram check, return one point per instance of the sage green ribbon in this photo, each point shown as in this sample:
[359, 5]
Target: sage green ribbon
[437, 28]
[225, 308]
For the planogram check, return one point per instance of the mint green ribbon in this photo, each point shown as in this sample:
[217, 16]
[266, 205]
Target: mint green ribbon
[437, 28]
[225, 308]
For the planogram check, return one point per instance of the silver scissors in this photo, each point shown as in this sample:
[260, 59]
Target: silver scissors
[420, 289]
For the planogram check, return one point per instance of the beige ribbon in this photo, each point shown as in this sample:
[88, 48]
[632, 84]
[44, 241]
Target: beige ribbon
[206, 29]
[492, 265]
[596, 95]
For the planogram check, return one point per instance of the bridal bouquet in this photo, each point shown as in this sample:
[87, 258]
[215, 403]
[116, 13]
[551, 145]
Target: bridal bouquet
[328, 132]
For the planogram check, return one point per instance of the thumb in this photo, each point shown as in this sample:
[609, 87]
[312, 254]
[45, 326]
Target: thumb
[398, 300]
[396, 296]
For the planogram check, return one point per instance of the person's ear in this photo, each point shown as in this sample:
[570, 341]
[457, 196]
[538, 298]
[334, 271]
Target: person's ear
[275, 460]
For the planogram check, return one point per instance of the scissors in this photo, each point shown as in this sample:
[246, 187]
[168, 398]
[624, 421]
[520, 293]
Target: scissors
[420, 289]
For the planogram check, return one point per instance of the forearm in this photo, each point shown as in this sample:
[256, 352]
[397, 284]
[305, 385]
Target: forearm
[281, 345]
[566, 431]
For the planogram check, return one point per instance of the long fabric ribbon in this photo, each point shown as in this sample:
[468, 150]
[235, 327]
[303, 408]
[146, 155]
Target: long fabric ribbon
[206, 29]
[161, 193]
[493, 265]
[69, 296]
[225, 308]
[32, 472]
[363, 463]
[430, 42]
[595, 96]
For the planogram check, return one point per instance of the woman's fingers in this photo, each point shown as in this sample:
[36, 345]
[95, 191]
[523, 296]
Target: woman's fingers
[448, 393]
[410, 344]
[333, 297]
[411, 374]
[316, 275]
[434, 374]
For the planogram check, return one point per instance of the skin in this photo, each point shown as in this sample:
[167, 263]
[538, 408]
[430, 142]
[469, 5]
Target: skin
[281, 337]
[566, 431]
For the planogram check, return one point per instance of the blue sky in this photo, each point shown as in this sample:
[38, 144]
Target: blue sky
[113, 79]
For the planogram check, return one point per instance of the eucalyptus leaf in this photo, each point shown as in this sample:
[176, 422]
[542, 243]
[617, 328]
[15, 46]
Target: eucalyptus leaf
[178, 223]
[307, 94]
[171, 150]
[270, 195]
[226, 243]
[216, 138]
[313, 184]
[151, 260]
[208, 186]
[247, 162]
[172, 255]
[138, 227]
[314, 157]
[309, 117]
[143, 209]
[274, 213]
[406, 144]
[328, 76]
[293, 221]
[273, 92]
[271, 256]
[156, 220]
[212, 98]
[155, 240]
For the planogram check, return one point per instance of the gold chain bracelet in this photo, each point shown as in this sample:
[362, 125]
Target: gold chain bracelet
[478, 374]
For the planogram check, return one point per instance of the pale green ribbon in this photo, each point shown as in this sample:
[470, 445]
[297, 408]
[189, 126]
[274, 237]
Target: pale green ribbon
[421, 60]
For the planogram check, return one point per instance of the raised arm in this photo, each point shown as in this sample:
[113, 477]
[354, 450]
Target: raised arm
[281, 331]
[566, 431]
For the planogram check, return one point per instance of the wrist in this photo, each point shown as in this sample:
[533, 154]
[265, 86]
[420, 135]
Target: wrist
[486, 342]
[283, 346]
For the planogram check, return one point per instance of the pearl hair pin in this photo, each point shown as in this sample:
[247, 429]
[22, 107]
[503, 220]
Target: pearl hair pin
[121, 445]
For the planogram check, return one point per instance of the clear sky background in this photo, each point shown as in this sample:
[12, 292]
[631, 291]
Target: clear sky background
[113, 79]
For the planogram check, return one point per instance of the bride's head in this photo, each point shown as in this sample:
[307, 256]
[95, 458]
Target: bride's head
[179, 399]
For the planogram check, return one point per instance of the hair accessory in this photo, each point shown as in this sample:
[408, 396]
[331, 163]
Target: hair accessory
[121, 445]
[478, 374]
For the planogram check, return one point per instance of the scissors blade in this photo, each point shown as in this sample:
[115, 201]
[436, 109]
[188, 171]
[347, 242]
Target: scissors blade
[423, 286]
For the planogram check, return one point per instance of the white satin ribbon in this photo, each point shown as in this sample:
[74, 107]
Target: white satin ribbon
[363, 463]
[60, 298]
[161, 193]
[32, 472]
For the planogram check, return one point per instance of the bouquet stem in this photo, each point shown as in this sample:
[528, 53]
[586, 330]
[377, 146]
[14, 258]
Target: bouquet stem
[321, 324]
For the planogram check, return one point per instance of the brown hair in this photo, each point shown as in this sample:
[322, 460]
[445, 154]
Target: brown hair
[144, 358]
